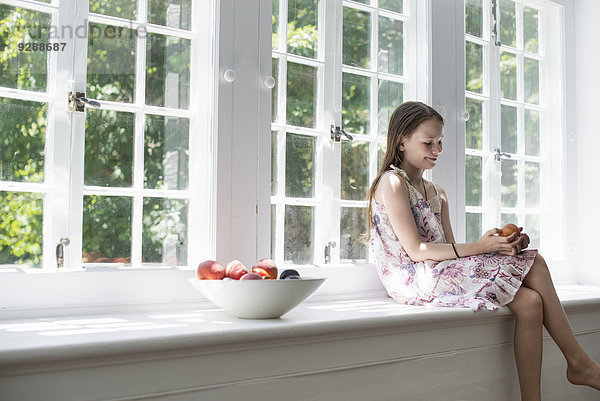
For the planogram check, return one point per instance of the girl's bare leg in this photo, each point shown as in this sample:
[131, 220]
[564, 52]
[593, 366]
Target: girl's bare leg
[581, 368]
[527, 305]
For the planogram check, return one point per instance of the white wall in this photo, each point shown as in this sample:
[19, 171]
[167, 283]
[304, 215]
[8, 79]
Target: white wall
[587, 140]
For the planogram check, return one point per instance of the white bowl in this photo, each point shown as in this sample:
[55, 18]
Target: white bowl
[257, 299]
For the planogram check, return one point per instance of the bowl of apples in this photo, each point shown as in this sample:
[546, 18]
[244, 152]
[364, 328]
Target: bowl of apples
[256, 293]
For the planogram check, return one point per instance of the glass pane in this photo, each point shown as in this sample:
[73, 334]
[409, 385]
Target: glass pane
[298, 238]
[352, 226]
[171, 13]
[532, 228]
[108, 148]
[474, 125]
[508, 218]
[532, 184]
[21, 228]
[21, 32]
[532, 81]
[167, 71]
[508, 23]
[474, 67]
[390, 94]
[22, 140]
[164, 231]
[363, 1]
[275, 25]
[299, 166]
[532, 132]
[509, 183]
[166, 152]
[124, 8]
[473, 184]
[474, 17]
[302, 33]
[392, 5]
[301, 95]
[275, 90]
[356, 39]
[354, 170]
[106, 229]
[273, 229]
[381, 148]
[111, 63]
[356, 101]
[473, 228]
[530, 29]
[508, 75]
[274, 166]
[391, 46]
[508, 125]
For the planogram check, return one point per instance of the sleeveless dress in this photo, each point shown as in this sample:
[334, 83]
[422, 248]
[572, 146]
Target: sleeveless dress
[481, 281]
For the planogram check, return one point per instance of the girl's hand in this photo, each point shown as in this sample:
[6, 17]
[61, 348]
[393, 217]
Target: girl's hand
[524, 239]
[490, 242]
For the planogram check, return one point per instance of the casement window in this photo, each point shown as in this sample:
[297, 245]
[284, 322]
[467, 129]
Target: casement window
[514, 144]
[343, 64]
[117, 183]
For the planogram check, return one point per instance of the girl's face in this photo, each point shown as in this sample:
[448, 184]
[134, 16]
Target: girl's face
[422, 148]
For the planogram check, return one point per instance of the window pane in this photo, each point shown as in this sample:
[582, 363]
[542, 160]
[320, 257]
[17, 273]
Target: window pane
[532, 81]
[274, 162]
[532, 132]
[474, 17]
[164, 231]
[275, 90]
[532, 228]
[23, 69]
[532, 184]
[473, 184]
[298, 238]
[301, 95]
[355, 170]
[171, 13]
[299, 166]
[392, 5]
[390, 95]
[124, 9]
[356, 39]
[473, 228]
[530, 29]
[111, 63]
[381, 148]
[356, 100]
[391, 46]
[275, 24]
[108, 148]
[508, 23]
[166, 152]
[474, 125]
[167, 71]
[22, 140]
[509, 128]
[508, 75]
[21, 228]
[302, 33]
[509, 183]
[508, 218]
[352, 226]
[106, 229]
[474, 67]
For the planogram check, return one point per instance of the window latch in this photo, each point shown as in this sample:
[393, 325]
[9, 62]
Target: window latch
[60, 251]
[495, 23]
[330, 244]
[77, 102]
[337, 133]
[500, 155]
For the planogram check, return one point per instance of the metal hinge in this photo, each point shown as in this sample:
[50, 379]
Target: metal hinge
[79, 101]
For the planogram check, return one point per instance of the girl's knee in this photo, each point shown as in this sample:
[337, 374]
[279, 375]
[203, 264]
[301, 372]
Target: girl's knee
[529, 305]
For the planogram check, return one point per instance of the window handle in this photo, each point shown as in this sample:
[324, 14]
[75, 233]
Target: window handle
[60, 251]
[78, 100]
[495, 23]
[337, 132]
[500, 155]
[330, 244]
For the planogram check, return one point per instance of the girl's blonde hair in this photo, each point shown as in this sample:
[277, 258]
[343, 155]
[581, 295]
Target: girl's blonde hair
[403, 123]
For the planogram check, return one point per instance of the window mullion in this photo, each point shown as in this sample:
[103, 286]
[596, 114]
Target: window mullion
[492, 174]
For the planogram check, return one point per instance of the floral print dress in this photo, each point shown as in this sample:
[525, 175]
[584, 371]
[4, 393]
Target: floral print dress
[480, 281]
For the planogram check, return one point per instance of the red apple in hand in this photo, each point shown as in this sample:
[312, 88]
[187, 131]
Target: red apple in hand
[210, 270]
[235, 270]
[266, 268]
[509, 229]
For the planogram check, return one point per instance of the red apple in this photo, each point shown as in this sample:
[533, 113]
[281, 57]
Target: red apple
[235, 270]
[251, 276]
[509, 229]
[266, 268]
[210, 270]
